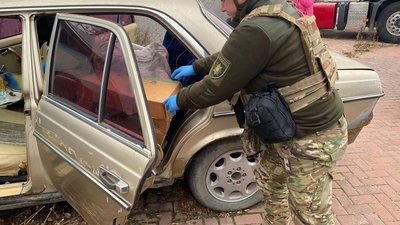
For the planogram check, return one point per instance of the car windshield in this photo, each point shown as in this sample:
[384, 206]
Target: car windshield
[210, 8]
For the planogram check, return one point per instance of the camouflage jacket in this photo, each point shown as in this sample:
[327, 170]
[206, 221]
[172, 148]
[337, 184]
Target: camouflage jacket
[260, 51]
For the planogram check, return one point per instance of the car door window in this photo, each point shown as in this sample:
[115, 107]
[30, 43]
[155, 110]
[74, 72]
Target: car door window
[120, 108]
[78, 70]
[10, 27]
[10, 60]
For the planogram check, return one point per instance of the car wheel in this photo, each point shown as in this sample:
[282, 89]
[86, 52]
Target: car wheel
[221, 177]
[389, 23]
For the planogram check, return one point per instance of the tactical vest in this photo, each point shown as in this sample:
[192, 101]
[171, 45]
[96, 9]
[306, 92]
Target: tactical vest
[323, 68]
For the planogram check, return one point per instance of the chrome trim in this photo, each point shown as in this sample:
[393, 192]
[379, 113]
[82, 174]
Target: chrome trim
[223, 114]
[207, 14]
[120, 185]
[125, 204]
[350, 99]
[137, 147]
[356, 68]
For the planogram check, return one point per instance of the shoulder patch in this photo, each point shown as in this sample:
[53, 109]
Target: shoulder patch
[220, 66]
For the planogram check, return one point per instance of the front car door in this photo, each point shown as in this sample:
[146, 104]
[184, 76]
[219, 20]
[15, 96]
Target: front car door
[93, 128]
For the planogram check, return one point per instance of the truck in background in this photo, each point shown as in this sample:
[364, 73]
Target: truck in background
[380, 15]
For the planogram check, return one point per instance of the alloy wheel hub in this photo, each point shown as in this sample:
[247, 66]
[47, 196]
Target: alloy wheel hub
[230, 177]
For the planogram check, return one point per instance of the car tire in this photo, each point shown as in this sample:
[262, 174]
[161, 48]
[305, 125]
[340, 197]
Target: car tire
[221, 177]
[389, 23]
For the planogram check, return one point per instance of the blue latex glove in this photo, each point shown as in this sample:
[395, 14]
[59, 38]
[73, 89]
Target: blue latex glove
[170, 104]
[183, 71]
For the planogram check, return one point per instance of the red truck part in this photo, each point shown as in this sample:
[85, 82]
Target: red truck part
[325, 14]
[382, 16]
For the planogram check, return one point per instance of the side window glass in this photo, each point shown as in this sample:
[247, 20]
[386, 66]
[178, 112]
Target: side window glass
[155, 42]
[77, 72]
[148, 31]
[120, 108]
[78, 66]
[10, 61]
[10, 27]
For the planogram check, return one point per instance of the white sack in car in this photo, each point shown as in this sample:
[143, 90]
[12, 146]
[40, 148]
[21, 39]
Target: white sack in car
[152, 60]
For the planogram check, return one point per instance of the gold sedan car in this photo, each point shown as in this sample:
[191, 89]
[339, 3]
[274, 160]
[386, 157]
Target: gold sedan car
[78, 119]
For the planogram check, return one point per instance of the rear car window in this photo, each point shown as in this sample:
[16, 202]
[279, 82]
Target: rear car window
[10, 27]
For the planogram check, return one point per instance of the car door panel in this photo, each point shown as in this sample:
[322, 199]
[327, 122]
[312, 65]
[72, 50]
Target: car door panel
[73, 152]
[98, 169]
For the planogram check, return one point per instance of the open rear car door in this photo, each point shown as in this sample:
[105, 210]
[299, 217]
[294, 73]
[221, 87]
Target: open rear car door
[93, 128]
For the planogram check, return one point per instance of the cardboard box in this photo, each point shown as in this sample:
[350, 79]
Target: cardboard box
[157, 90]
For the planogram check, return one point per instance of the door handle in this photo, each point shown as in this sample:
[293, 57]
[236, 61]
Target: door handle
[113, 182]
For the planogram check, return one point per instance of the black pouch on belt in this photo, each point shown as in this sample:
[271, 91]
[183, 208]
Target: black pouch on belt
[269, 116]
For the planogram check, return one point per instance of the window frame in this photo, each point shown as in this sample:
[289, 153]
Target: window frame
[165, 21]
[79, 112]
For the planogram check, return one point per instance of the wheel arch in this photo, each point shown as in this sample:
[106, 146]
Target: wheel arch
[382, 7]
[389, 33]
[375, 9]
[200, 141]
[204, 148]
[228, 178]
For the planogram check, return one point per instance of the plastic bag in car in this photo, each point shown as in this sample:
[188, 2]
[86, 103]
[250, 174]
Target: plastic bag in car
[10, 88]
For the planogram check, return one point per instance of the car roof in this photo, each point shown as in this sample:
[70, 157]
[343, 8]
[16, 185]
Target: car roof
[34, 3]
[173, 8]
[188, 13]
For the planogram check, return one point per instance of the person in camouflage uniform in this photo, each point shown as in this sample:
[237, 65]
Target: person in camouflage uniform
[296, 175]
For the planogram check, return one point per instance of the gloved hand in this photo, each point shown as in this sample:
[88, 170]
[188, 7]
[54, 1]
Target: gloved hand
[170, 104]
[183, 71]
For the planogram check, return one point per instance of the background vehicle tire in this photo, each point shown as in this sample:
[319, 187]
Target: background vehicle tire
[221, 178]
[389, 23]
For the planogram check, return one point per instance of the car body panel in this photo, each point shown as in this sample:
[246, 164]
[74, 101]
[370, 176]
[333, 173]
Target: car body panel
[95, 170]
[215, 123]
[358, 102]
[55, 164]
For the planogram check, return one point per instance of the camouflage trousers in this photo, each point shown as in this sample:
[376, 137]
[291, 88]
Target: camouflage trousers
[296, 177]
